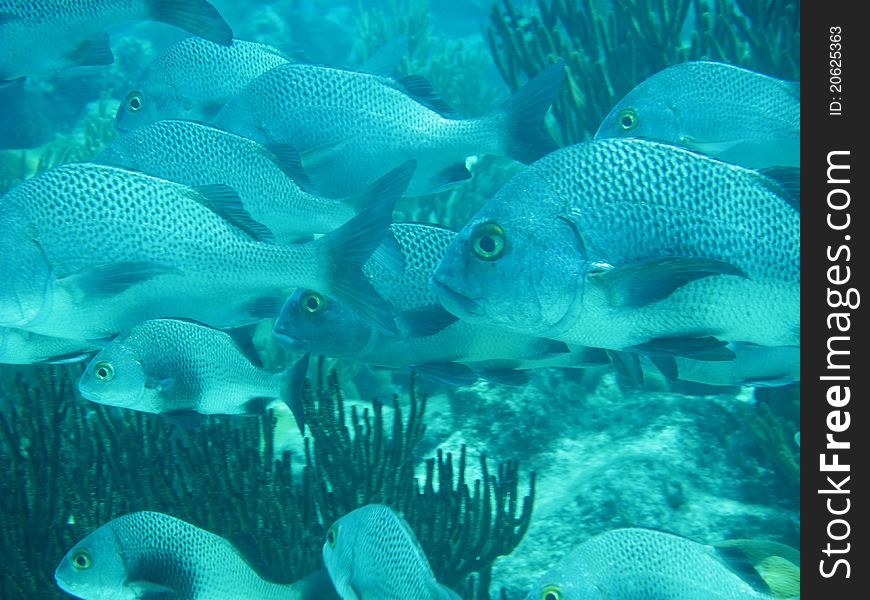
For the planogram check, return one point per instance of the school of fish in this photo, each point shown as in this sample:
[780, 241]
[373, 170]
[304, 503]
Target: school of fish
[250, 184]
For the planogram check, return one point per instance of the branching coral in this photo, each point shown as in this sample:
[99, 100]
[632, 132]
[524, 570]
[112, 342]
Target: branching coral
[609, 47]
[67, 467]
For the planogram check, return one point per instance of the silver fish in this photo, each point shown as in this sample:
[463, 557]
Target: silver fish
[42, 38]
[178, 367]
[352, 127]
[99, 249]
[632, 245]
[732, 114]
[371, 553]
[643, 564]
[193, 79]
[196, 154]
[429, 340]
[149, 554]
[19, 347]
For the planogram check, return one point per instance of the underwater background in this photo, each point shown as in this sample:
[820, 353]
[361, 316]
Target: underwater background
[516, 474]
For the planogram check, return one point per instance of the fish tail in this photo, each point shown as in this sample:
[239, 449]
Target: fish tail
[196, 16]
[523, 137]
[351, 245]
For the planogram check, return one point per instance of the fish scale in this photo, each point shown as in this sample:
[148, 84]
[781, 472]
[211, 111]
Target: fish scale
[78, 220]
[148, 553]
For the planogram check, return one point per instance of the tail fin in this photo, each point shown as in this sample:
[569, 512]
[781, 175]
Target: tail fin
[196, 16]
[352, 244]
[524, 138]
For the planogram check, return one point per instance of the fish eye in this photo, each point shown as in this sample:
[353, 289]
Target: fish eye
[81, 559]
[104, 371]
[551, 592]
[332, 536]
[312, 302]
[133, 102]
[488, 241]
[627, 119]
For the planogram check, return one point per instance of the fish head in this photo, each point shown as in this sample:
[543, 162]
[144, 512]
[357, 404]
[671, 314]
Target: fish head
[338, 556]
[25, 279]
[314, 323]
[115, 377]
[648, 111]
[149, 102]
[95, 568]
[516, 264]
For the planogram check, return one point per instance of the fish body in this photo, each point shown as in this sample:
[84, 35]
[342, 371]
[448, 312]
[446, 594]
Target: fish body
[196, 154]
[173, 366]
[631, 244]
[371, 553]
[192, 79]
[643, 564]
[19, 347]
[43, 37]
[149, 554]
[754, 366]
[351, 127]
[727, 112]
[428, 340]
[99, 249]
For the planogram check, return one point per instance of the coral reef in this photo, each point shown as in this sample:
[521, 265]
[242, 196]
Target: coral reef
[609, 47]
[68, 466]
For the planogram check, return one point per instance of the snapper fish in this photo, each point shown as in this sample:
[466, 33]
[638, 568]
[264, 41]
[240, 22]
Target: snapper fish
[643, 564]
[42, 38]
[154, 555]
[96, 249]
[183, 369]
[428, 340]
[352, 127]
[19, 347]
[196, 154]
[371, 553]
[733, 114]
[632, 245]
[192, 79]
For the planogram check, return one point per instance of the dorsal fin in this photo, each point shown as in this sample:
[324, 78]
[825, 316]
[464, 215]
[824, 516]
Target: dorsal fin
[385, 60]
[225, 202]
[421, 90]
[785, 182]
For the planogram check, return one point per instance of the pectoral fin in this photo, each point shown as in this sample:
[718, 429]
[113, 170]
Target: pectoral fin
[148, 590]
[109, 280]
[645, 282]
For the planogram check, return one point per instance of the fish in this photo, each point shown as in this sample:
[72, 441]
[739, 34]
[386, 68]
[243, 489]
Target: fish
[193, 78]
[43, 38]
[18, 347]
[99, 249]
[182, 369]
[644, 564]
[428, 340]
[730, 113]
[752, 366]
[196, 154]
[632, 245]
[149, 554]
[351, 127]
[371, 553]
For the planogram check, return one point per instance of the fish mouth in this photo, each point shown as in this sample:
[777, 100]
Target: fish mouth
[291, 341]
[455, 302]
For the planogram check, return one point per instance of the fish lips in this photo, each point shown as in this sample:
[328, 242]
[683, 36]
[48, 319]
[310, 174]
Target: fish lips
[456, 303]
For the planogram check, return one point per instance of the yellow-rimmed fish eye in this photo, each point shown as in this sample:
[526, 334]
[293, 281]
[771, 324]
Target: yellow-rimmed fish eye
[627, 119]
[488, 241]
[332, 536]
[104, 371]
[551, 592]
[134, 102]
[81, 559]
[312, 302]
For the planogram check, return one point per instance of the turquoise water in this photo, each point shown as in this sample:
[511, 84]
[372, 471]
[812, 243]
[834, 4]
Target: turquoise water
[589, 449]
